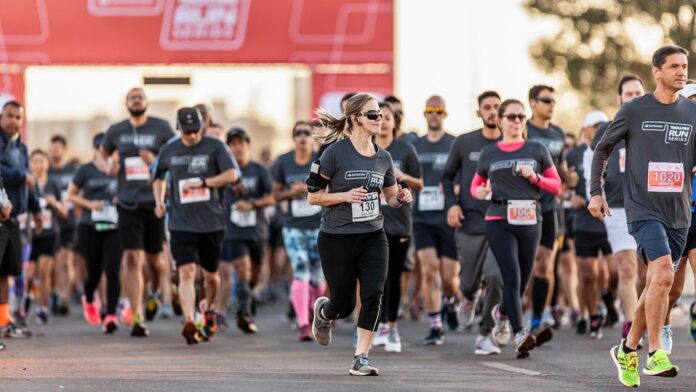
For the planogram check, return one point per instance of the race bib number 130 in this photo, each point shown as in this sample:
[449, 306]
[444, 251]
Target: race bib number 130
[665, 177]
[367, 210]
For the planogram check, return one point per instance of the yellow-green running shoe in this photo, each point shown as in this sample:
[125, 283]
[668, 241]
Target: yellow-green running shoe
[659, 365]
[626, 364]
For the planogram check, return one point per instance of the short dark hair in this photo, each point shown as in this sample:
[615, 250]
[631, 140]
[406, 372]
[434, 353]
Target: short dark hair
[301, 122]
[14, 103]
[39, 151]
[391, 99]
[487, 94]
[660, 55]
[628, 78]
[536, 90]
[59, 139]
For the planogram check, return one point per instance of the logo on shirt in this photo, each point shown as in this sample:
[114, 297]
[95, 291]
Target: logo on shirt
[372, 179]
[438, 160]
[555, 146]
[139, 141]
[474, 156]
[674, 132]
[197, 164]
[249, 182]
[512, 164]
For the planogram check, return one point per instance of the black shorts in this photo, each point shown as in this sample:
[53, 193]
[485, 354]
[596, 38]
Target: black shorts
[589, 244]
[10, 249]
[275, 235]
[67, 236]
[691, 237]
[549, 229]
[200, 248]
[139, 228]
[233, 249]
[440, 237]
[43, 246]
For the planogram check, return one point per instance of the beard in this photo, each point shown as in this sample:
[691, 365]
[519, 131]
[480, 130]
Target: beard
[137, 112]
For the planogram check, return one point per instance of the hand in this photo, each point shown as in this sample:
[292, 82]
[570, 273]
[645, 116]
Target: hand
[455, 216]
[527, 172]
[298, 189]
[598, 207]
[6, 212]
[404, 195]
[51, 200]
[239, 189]
[147, 156]
[192, 184]
[160, 209]
[356, 195]
[483, 191]
[38, 223]
[577, 202]
[30, 180]
[244, 205]
[96, 205]
[572, 177]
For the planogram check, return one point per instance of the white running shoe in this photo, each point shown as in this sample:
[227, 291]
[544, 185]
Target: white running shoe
[485, 346]
[393, 341]
[466, 313]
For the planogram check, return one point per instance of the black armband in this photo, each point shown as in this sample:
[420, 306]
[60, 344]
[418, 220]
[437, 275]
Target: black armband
[315, 182]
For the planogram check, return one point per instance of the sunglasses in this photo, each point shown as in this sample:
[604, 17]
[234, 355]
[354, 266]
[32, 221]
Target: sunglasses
[372, 115]
[435, 110]
[301, 132]
[548, 101]
[512, 117]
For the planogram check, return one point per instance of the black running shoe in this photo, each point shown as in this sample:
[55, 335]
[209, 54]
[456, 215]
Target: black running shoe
[139, 330]
[581, 327]
[246, 323]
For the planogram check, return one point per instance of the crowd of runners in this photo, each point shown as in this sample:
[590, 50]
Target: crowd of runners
[518, 224]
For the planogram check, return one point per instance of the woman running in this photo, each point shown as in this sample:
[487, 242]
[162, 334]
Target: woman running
[518, 171]
[347, 180]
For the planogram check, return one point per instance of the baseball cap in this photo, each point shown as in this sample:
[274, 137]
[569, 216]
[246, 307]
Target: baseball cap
[688, 90]
[593, 118]
[237, 132]
[189, 120]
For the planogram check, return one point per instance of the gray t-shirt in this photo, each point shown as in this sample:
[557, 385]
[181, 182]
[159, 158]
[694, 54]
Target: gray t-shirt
[96, 185]
[199, 210]
[430, 202]
[583, 221]
[248, 225]
[462, 160]
[300, 214]
[659, 158]
[399, 221]
[134, 176]
[347, 169]
[616, 167]
[553, 138]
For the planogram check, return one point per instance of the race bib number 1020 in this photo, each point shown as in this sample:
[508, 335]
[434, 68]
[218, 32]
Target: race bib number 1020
[665, 177]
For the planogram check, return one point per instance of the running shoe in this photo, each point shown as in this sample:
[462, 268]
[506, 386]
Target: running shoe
[666, 339]
[524, 343]
[12, 331]
[126, 314]
[139, 330]
[547, 318]
[502, 331]
[581, 327]
[54, 302]
[165, 312]
[176, 305]
[321, 327]
[542, 334]
[246, 323]
[152, 307]
[449, 312]
[303, 334]
[596, 327]
[393, 341]
[2, 346]
[692, 328]
[436, 337]
[222, 323]
[190, 333]
[467, 311]
[42, 316]
[63, 308]
[612, 318]
[110, 324]
[19, 318]
[659, 365]
[557, 315]
[485, 346]
[626, 365]
[361, 367]
[91, 311]
[381, 335]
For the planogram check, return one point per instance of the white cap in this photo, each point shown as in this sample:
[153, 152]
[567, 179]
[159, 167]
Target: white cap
[688, 90]
[593, 118]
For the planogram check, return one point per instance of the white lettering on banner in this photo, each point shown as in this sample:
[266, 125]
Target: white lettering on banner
[431, 198]
[301, 208]
[125, 7]
[368, 209]
[665, 177]
[193, 195]
[674, 132]
[243, 218]
[136, 169]
[521, 212]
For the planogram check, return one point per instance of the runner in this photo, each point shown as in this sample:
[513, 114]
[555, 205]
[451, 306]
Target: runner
[518, 171]
[5, 213]
[352, 243]
[435, 247]
[246, 230]
[398, 225]
[137, 140]
[466, 214]
[95, 192]
[658, 197]
[198, 168]
[300, 225]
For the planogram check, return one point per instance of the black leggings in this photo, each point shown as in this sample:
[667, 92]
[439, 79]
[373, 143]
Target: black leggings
[514, 248]
[347, 259]
[102, 252]
[398, 248]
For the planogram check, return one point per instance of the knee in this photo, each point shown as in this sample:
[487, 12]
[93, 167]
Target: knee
[132, 260]
[187, 272]
[211, 277]
[627, 270]
[663, 279]
[372, 298]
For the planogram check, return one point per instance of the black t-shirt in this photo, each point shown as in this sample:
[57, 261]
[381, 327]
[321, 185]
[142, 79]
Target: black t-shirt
[62, 177]
[461, 165]
[583, 221]
[553, 138]
[50, 218]
[500, 167]
[430, 201]
[616, 167]
[134, 177]
[399, 221]
[96, 185]
[248, 225]
[300, 214]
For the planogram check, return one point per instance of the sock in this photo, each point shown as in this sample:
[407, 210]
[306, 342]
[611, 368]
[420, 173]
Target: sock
[243, 292]
[540, 290]
[300, 292]
[652, 353]
[5, 317]
[627, 350]
[435, 320]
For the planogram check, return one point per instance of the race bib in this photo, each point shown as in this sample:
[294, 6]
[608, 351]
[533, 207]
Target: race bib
[193, 195]
[65, 199]
[368, 209]
[622, 160]
[136, 169]
[108, 214]
[46, 215]
[665, 177]
[521, 212]
[243, 218]
[301, 208]
[431, 198]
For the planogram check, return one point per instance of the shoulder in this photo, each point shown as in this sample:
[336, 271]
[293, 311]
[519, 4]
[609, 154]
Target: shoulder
[159, 122]
[557, 131]
[118, 127]
[283, 158]
[490, 149]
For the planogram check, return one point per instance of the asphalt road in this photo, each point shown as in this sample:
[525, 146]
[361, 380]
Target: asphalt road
[69, 355]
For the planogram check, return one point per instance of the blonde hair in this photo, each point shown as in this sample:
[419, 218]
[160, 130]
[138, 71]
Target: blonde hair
[331, 128]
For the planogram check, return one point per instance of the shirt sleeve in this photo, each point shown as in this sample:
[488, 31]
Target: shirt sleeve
[160, 166]
[109, 142]
[278, 172]
[482, 165]
[79, 178]
[389, 178]
[616, 131]
[223, 159]
[545, 158]
[454, 163]
[327, 162]
[266, 181]
[413, 167]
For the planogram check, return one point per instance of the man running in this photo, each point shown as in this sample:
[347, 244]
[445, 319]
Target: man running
[199, 167]
[657, 191]
[137, 140]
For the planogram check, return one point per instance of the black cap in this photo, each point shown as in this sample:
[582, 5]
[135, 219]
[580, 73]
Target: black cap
[189, 120]
[97, 140]
[237, 132]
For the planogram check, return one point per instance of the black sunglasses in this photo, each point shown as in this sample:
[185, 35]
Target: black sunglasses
[301, 132]
[512, 117]
[372, 115]
[546, 100]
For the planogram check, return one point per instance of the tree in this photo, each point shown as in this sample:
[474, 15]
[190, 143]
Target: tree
[594, 47]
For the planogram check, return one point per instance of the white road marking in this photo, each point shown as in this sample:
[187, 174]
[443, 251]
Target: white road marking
[514, 369]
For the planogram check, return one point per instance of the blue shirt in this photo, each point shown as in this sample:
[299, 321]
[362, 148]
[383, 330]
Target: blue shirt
[14, 167]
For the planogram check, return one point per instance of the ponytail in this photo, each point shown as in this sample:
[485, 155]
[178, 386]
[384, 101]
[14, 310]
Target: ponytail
[331, 129]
